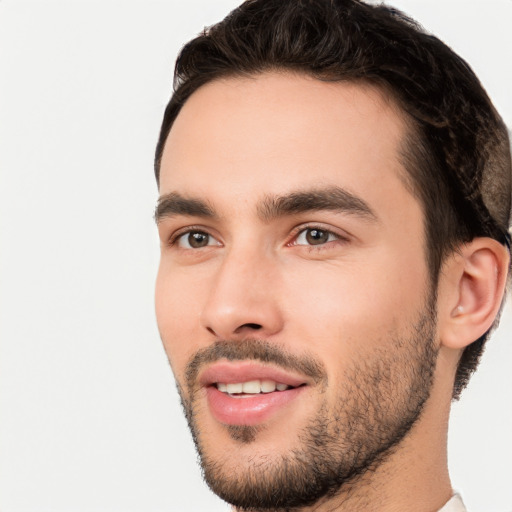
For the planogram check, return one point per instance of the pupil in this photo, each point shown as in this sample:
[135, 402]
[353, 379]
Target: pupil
[198, 239]
[316, 236]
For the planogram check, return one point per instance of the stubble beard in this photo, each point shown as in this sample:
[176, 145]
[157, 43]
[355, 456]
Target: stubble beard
[381, 399]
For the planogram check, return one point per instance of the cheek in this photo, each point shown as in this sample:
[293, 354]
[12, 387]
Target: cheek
[339, 309]
[177, 315]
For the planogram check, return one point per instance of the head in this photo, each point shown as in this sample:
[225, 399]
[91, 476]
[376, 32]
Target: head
[401, 104]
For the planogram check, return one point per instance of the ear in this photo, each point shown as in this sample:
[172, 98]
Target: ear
[470, 291]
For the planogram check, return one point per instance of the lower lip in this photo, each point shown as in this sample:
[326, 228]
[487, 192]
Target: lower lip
[248, 410]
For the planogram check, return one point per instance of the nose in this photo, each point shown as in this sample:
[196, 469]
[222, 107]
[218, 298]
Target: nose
[243, 298]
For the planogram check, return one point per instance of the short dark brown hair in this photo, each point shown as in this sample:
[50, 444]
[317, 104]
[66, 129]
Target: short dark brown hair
[457, 154]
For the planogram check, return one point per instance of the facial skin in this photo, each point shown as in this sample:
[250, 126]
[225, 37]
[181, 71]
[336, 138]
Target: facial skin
[292, 251]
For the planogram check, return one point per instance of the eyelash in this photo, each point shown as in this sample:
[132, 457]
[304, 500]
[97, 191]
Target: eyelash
[297, 232]
[175, 237]
[318, 247]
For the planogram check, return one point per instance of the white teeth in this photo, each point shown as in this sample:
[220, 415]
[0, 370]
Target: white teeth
[252, 387]
[234, 388]
[267, 386]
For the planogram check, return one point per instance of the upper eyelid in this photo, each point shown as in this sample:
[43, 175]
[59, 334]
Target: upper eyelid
[177, 241]
[341, 233]
[176, 234]
[294, 232]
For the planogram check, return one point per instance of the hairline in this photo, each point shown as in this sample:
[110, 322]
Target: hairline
[407, 157]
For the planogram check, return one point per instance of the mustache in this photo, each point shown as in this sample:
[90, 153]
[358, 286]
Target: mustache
[255, 350]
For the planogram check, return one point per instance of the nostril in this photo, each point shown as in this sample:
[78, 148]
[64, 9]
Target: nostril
[250, 326]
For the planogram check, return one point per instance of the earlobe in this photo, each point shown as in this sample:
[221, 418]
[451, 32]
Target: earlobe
[471, 291]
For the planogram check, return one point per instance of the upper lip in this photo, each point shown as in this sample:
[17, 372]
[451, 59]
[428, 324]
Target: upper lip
[244, 371]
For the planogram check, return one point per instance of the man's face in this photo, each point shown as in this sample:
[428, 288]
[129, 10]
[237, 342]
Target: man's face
[292, 296]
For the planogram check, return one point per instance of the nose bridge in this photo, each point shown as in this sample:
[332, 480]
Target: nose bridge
[243, 295]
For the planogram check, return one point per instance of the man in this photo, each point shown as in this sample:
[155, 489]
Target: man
[335, 199]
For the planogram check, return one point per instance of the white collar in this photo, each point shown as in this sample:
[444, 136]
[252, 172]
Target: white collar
[454, 505]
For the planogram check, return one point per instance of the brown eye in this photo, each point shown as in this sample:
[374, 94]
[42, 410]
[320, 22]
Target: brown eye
[198, 240]
[195, 240]
[316, 236]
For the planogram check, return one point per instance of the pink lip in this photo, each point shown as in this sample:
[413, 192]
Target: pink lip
[247, 409]
[244, 371]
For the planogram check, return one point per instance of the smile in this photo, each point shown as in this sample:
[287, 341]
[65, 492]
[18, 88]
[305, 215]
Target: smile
[248, 393]
[252, 387]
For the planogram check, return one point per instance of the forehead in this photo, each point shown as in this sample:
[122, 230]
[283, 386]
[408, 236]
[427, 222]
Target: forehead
[248, 137]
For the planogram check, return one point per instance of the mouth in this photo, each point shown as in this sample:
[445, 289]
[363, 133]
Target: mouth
[251, 387]
[247, 393]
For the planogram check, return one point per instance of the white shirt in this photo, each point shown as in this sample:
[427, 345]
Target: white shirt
[454, 505]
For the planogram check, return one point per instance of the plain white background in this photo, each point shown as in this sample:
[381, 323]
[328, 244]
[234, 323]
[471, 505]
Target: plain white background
[90, 420]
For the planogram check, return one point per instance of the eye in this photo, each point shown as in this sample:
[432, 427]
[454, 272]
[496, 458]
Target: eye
[195, 240]
[315, 236]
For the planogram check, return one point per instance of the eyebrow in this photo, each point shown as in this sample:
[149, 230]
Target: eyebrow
[334, 199]
[172, 204]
